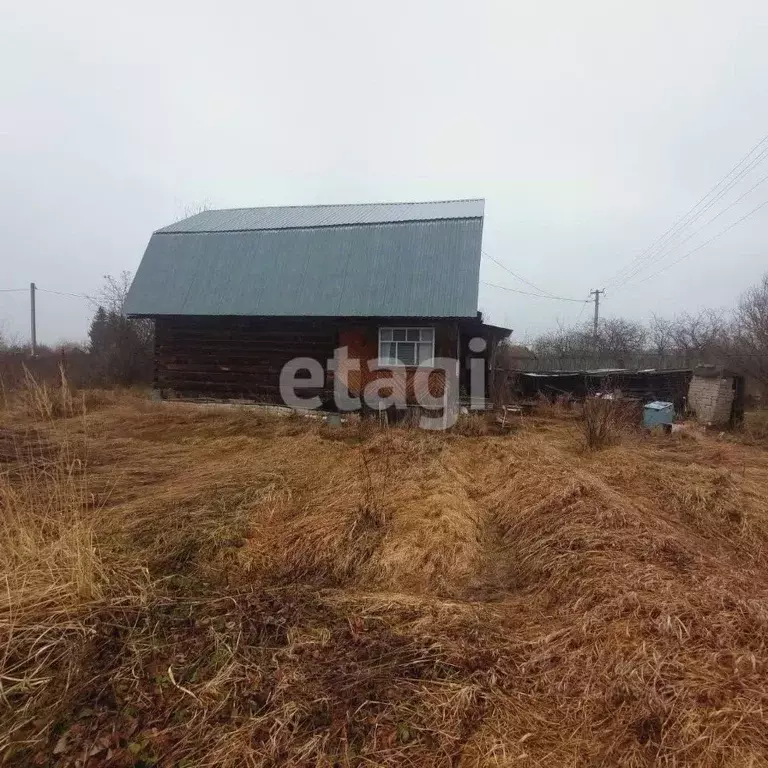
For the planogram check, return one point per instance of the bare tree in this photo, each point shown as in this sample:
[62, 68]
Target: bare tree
[661, 336]
[562, 343]
[699, 336]
[575, 342]
[739, 342]
[114, 291]
[617, 342]
[620, 340]
[120, 347]
[195, 208]
[748, 334]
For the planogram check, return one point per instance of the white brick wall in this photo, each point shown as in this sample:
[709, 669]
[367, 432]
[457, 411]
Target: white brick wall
[711, 399]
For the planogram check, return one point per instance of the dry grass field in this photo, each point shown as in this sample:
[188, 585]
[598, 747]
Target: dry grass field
[220, 587]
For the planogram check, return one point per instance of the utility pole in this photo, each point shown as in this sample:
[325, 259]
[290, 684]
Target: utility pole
[33, 320]
[597, 308]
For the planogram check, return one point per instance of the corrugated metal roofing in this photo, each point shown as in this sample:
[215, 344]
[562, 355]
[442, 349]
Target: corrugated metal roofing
[409, 267]
[292, 217]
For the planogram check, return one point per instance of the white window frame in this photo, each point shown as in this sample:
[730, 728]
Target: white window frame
[426, 335]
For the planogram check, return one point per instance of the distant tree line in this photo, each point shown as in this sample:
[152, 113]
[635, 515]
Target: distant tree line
[118, 352]
[736, 339]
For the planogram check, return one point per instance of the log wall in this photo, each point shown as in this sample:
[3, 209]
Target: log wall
[241, 357]
[232, 357]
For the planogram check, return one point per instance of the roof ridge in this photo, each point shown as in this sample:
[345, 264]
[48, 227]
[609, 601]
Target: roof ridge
[343, 205]
[292, 227]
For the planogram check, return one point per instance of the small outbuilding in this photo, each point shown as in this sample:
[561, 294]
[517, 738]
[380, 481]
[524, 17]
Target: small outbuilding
[716, 396]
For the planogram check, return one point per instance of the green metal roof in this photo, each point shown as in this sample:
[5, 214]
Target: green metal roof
[404, 259]
[299, 216]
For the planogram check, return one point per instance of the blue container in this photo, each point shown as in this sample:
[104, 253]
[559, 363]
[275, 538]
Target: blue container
[658, 413]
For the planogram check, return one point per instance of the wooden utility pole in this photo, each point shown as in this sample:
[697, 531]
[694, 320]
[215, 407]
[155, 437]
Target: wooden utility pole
[597, 309]
[33, 320]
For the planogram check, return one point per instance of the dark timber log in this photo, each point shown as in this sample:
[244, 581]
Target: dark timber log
[232, 357]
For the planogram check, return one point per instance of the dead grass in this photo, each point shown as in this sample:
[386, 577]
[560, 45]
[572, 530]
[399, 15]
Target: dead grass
[603, 421]
[218, 587]
[753, 430]
[472, 425]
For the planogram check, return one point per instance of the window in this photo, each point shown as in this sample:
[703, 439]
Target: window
[406, 346]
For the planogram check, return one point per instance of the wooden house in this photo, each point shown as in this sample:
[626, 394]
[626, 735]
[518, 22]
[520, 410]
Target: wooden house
[237, 294]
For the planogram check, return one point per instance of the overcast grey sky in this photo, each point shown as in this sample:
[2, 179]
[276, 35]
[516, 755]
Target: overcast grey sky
[588, 127]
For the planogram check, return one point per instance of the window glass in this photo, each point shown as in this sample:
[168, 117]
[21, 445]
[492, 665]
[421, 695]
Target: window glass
[406, 353]
[406, 346]
[425, 352]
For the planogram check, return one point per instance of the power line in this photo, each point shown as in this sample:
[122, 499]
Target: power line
[542, 294]
[64, 293]
[581, 311]
[528, 293]
[629, 277]
[688, 218]
[706, 242]
[514, 274]
[684, 221]
[48, 290]
[665, 251]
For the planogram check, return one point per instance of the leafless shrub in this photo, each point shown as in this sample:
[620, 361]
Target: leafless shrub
[602, 421]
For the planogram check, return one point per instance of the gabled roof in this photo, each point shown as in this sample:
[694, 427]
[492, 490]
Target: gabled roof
[392, 259]
[300, 216]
